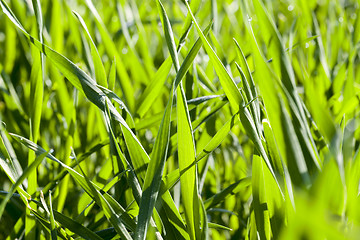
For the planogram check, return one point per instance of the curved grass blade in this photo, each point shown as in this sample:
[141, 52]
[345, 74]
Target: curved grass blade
[154, 173]
[32, 167]
[109, 212]
[125, 82]
[100, 75]
[115, 206]
[75, 75]
[218, 138]
[285, 73]
[169, 36]
[232, 189]
[218, 226]
[153, 89]
[75, 227]
[234, 96]
[227, 82]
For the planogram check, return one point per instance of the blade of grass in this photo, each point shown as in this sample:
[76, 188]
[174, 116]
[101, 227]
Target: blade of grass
[186, 155]
[128, 221]
[259, 202]
[100, 75]
[74, 74]
[232, 189]
[36, 101]
[32, 167]
[109, 212]
[52, 219]
[75, 227]
[125, 82]
[234, 96]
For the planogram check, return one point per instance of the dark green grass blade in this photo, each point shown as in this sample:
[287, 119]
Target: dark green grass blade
[75, 227]
[154, 174]
[109, 212]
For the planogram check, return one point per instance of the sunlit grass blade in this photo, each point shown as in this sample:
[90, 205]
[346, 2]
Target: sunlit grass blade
[282, 67]
[52, 219]
[234, 95]
[155, 86]
[153, 89]
[100, 75]
[36, 102]
[125, 83]
[75, 75]
[128, 221]
[295, 157]
[75, 227]
[32, 167]
[248, 82]
[186, 155]
[228, 84]
[232, 189]
[260, 202]
[109, 212]
[218, 138]
[155, 169]
[154, 174]
[169, 36]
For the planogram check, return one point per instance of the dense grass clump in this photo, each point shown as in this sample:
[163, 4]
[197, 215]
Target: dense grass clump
[179, 120]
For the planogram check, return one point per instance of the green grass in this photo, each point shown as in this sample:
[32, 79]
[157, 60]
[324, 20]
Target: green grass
[176, 120]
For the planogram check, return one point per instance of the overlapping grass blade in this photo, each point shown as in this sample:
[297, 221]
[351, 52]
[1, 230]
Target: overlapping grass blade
[32, 167]
[186, 155]
[75, 75]
[100, 75]
[232, 189]
[218, 138]
[284, 71]
[153, 89]
[154, 174]
[125, 83]
[36, 102]
[110, 202]
[234, 96]
[155, 169]
[75, 227]
[261, 211]
[109, 212]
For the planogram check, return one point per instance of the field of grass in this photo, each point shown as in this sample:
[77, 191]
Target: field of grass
[132, 119]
